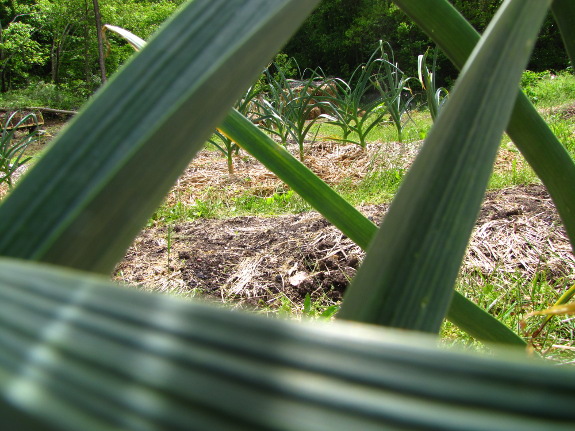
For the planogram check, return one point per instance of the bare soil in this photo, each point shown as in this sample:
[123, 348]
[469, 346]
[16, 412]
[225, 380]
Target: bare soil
[267, 260]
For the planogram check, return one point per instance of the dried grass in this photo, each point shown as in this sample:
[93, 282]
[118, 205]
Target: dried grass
[518, 230]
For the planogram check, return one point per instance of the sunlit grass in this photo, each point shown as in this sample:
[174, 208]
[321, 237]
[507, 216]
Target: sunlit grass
[510, 297]
[548, 89]
[417, 125]
[375, 188]
[44, 95]
[380, 184]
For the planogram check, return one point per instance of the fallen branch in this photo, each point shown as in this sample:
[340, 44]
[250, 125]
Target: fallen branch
[39, 109]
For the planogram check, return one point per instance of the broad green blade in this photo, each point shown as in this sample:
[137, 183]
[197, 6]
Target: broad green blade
[87, 198]
[408, 275]
[564, 14]
[532, 136]
[80, 353]
[304, 182]
[468, 316]
[462, 312]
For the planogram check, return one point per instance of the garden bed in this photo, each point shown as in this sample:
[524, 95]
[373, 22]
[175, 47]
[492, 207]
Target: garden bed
[266, 261]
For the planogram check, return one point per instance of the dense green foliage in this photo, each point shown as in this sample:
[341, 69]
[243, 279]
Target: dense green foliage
[342, 33]
[54, 41]
[47, 42]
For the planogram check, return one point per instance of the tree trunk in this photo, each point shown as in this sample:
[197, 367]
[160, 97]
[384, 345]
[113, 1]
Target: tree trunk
[87, 69]
[101, 56]
[2, 65]
[57, 52]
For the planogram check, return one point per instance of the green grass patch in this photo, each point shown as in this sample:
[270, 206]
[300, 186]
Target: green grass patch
[510, 297]
[375, 188]
[216, 204]
[44, 95]
[418, 124]
[281, 202]
[319, 308]
[563, 127]
[180, 212]
[546, 89]
[520, 174]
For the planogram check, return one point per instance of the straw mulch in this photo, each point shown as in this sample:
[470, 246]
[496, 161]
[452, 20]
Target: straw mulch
[267, 260]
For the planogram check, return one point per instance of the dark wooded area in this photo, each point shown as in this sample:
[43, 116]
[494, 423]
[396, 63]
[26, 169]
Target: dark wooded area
[57, 42]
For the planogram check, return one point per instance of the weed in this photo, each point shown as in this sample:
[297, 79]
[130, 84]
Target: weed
[280, 202]
[180, 211]
[509, 297]
[376, 187]
[564, 129]
[520, 174]
[169, 232]
[318, 309]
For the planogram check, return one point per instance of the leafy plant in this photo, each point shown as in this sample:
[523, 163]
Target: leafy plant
[311, 309]
[12, 149]
[436, 97]
[227, 147]
[78, 352]
[295, 105]
[351, 111]
[395, 94]
[64, 97]
[529, 80]
[247, 105]
[547, 89]
[563, 300]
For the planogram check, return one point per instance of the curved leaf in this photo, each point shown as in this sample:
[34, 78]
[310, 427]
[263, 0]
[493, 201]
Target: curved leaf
[532, 136]
[408, 275]
[79, 353]
[88, 197]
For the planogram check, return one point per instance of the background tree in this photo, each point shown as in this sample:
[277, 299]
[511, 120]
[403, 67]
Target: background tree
[19, 51]
[341, 34]
[98, 22]
[56, 41]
